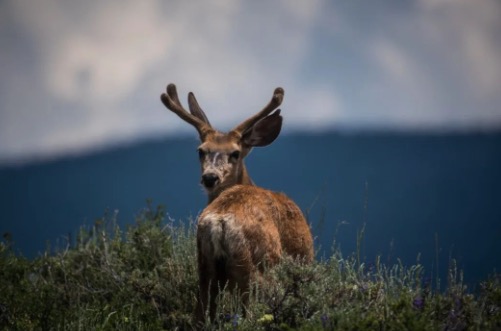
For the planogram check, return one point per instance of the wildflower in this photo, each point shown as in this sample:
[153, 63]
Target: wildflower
[418, 303]
[324, 318]
[234, 323]
[267, 318]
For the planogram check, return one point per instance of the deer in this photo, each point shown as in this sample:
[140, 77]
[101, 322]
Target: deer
[244, 228]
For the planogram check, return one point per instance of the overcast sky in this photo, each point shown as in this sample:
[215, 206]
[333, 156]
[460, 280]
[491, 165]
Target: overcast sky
[80, 75]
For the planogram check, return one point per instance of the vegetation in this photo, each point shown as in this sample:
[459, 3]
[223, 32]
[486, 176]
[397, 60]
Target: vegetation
[145, 278]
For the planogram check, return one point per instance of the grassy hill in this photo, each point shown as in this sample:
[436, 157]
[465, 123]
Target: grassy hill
[145, 278]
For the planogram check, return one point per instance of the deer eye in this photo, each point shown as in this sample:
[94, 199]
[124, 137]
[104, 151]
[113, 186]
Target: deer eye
[235, 155]
[201, 153]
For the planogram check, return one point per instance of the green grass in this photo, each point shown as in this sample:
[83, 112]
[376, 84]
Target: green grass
[145, 278]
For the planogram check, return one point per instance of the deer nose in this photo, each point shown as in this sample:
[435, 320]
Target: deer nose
[209, 180]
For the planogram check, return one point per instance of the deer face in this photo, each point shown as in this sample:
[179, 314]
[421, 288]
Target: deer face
[221, 161]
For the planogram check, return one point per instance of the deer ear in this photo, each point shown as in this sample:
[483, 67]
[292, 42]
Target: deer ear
[264, 132]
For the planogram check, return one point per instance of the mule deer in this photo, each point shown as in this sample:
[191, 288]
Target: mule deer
[244, 227]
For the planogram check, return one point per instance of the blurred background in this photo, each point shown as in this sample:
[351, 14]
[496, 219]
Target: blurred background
[392, 117]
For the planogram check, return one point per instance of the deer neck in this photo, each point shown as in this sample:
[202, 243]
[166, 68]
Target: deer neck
[242, 178]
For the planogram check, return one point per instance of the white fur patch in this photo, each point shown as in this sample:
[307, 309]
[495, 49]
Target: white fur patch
[223, 230]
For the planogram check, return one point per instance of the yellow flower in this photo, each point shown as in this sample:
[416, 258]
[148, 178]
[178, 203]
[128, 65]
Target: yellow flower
[267, 318]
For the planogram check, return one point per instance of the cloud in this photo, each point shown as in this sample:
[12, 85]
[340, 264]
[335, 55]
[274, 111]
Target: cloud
[468, 34]
[100, 67]
[82, 75]
[428, 65]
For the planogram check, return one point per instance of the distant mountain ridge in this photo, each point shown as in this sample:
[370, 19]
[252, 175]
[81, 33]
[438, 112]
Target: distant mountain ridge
[406, 189]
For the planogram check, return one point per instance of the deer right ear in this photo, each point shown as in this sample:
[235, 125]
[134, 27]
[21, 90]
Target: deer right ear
[264, 132]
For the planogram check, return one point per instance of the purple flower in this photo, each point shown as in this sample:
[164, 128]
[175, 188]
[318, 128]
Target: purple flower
[234, 323]
[418, 303]
[324, 318]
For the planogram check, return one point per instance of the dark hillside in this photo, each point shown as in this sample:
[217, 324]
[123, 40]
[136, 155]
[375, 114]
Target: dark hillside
[408, 190]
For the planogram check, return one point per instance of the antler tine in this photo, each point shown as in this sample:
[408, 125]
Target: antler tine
[171, 101]
[195, 108]
[276, 100]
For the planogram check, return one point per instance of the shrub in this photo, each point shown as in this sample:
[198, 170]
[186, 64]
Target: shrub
[146, 279]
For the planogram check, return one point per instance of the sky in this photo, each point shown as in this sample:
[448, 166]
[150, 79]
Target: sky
[77, 76]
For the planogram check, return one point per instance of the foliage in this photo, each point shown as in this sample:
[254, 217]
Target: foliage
[146, 279]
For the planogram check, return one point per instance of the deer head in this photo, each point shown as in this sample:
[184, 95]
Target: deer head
[221, 154]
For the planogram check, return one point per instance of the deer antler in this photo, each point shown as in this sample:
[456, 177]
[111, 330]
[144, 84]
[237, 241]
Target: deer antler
[196, 110]
[275, 101]
[197, 117]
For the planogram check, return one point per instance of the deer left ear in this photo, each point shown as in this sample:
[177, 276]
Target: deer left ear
[264, 132]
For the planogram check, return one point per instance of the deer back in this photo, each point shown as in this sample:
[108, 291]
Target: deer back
[253, 224]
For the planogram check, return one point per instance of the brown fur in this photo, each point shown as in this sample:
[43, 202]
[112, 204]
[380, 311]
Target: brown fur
[257, 227]
[244, 228]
